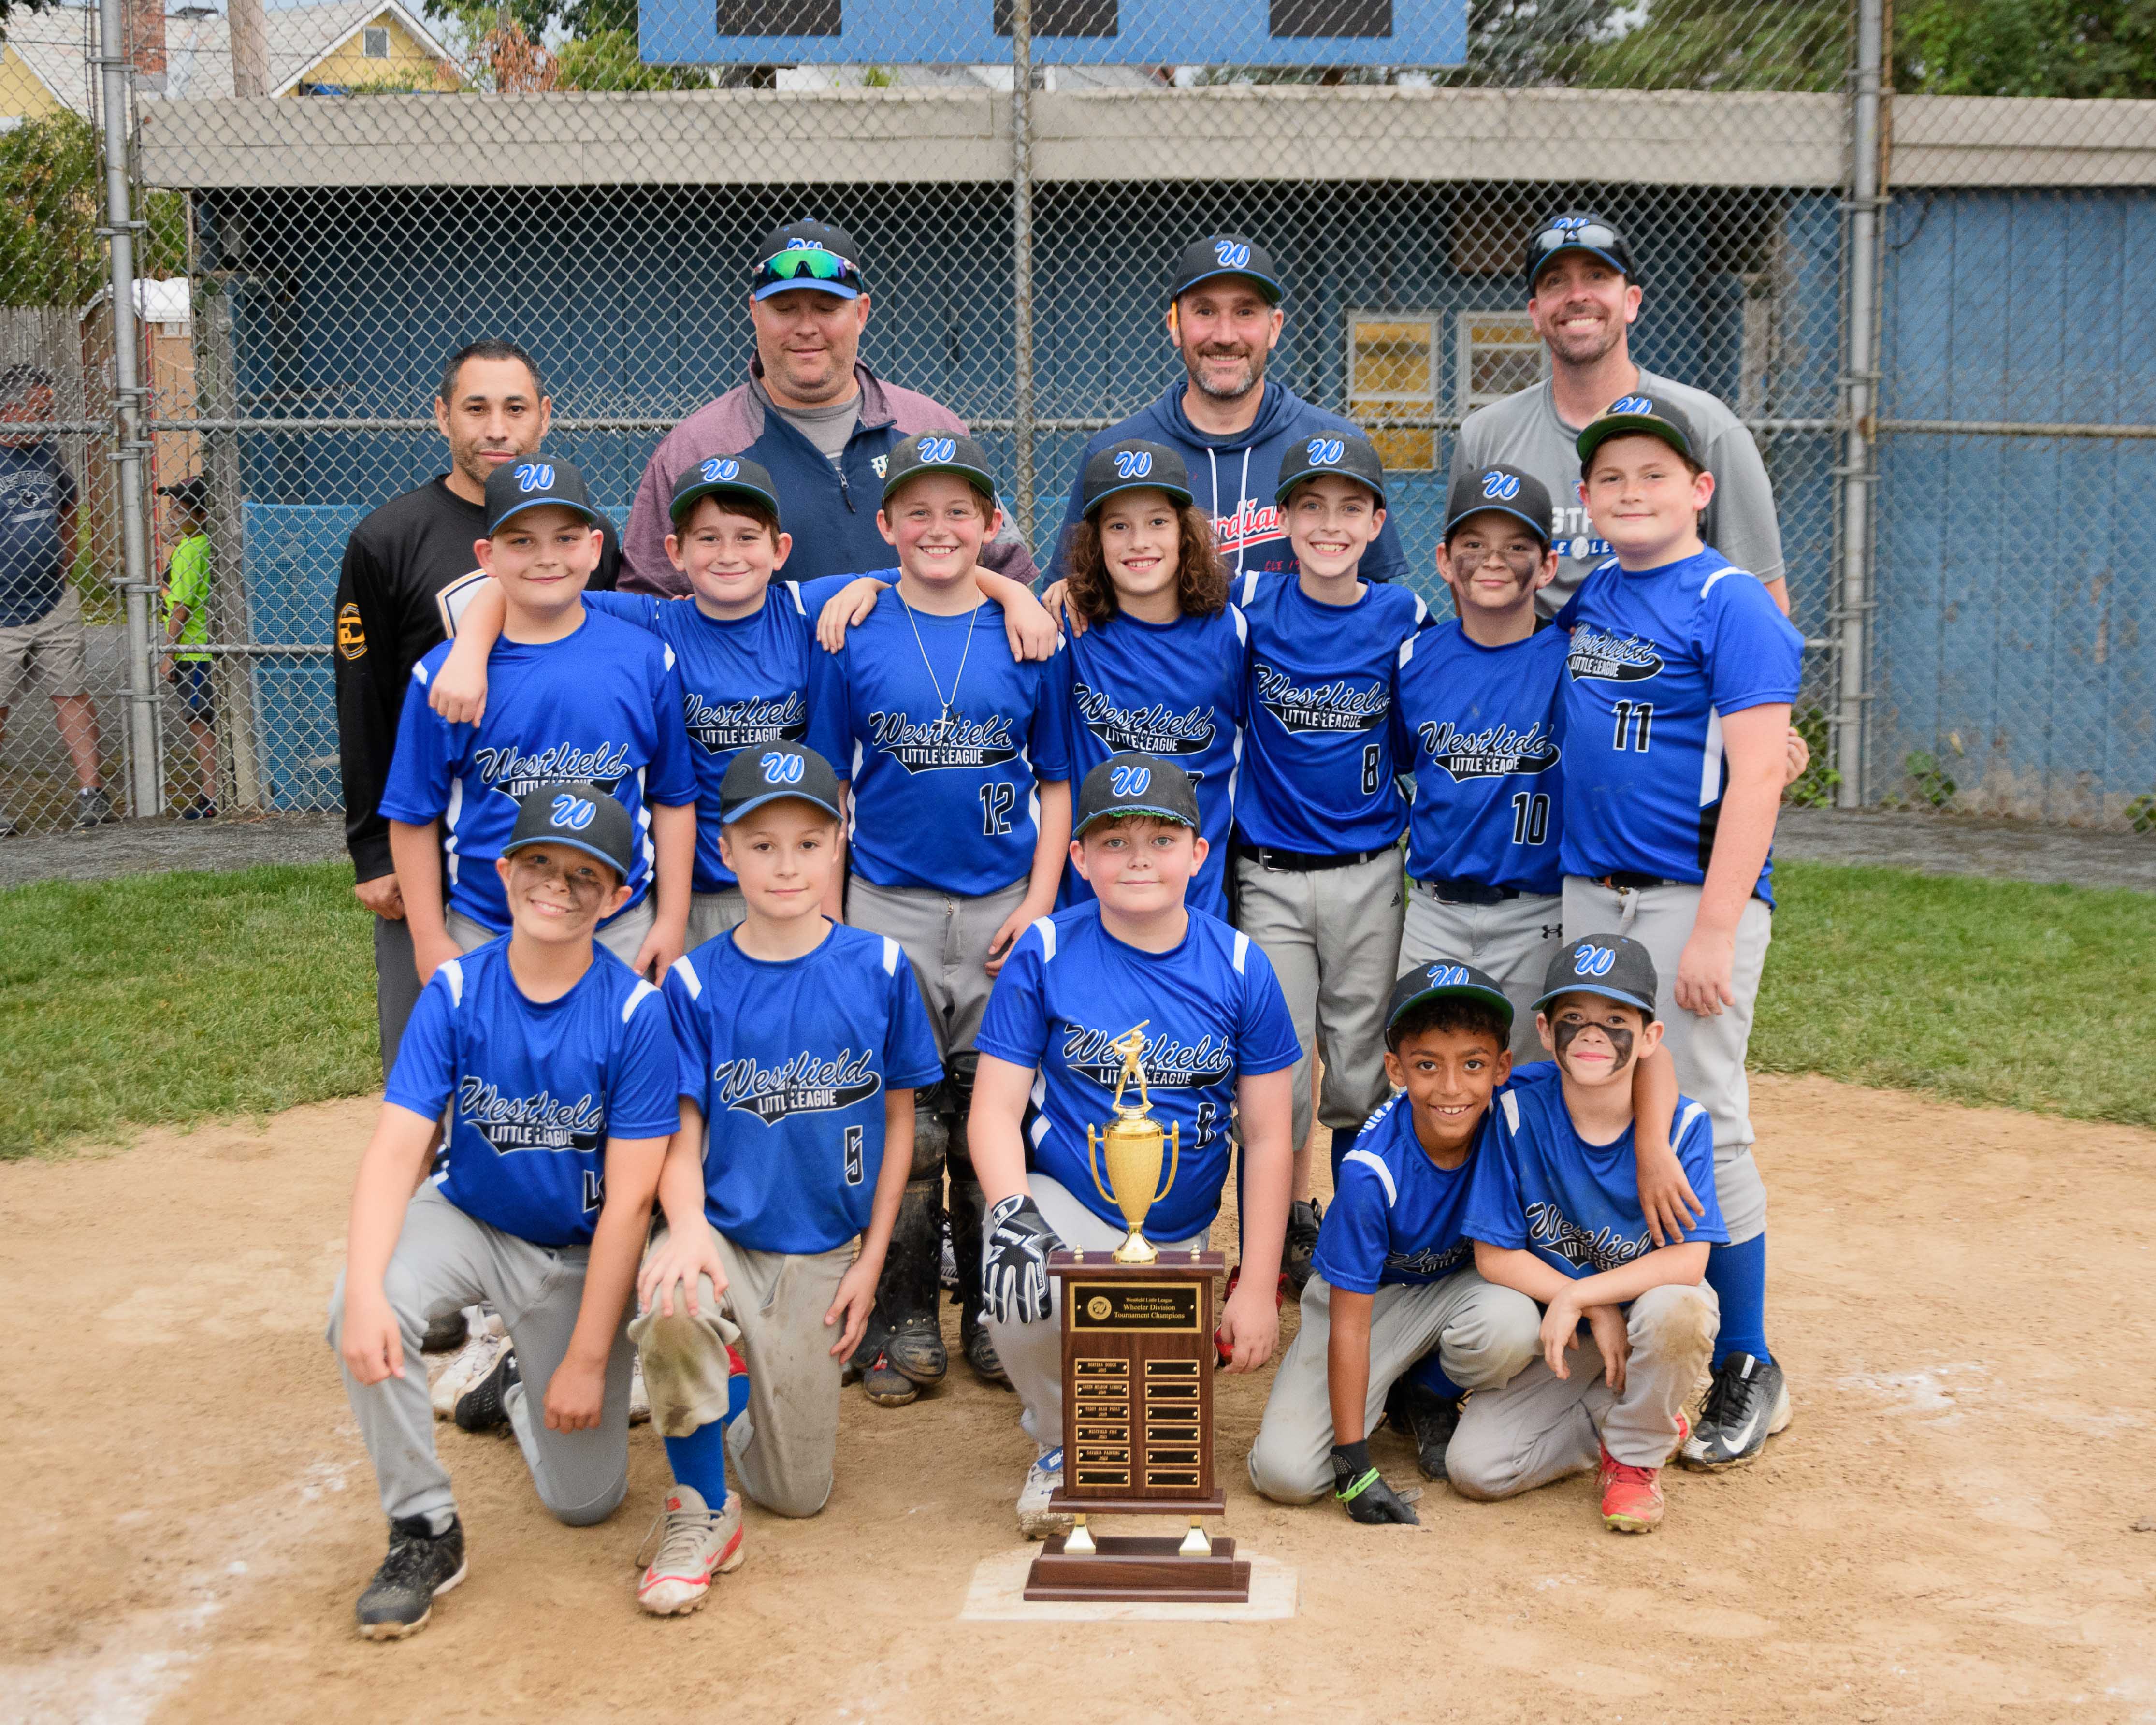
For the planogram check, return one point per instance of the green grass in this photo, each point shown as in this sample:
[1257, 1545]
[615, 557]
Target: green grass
[1984, 991]
[174, 998]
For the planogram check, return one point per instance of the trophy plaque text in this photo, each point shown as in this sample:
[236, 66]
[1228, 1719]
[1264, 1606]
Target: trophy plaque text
[1137, 1392]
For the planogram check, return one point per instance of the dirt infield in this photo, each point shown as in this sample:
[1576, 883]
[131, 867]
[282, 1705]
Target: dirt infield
[1948, 1532]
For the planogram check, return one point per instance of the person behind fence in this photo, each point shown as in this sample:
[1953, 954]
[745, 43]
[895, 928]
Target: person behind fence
[187, 667]
[555, 1064]
[1318, 815]
[1584, 296]
[811, 414]
[1133, 975]
[960, 809]
[1554, 1211]
[41, 635]
[573, 695]
[1233, 426]
[1393, 1277]
[1680, 673]
[405, 568]
[801, 1043]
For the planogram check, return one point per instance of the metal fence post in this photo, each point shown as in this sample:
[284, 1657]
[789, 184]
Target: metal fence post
[1022, 259]
[1859, 385]
[146, 779]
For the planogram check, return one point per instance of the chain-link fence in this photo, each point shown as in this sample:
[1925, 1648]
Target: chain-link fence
[330, 209]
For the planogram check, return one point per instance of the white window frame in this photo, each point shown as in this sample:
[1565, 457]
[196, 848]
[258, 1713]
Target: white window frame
[1464, 399]
[369, 36]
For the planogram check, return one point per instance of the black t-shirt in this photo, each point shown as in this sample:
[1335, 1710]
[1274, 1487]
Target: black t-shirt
[391, 610]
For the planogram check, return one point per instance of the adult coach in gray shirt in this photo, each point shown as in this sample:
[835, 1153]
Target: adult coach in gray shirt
[1583, 294]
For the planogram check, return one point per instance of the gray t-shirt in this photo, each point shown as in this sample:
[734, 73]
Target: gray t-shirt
[1524, 431]
[830, 428]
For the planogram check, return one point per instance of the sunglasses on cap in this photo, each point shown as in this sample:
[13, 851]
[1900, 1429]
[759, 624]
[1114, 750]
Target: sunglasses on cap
[812, 263]
[1592, 234]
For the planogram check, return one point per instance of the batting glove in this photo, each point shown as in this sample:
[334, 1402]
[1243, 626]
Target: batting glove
[1366, 1496]
[1014, 1261]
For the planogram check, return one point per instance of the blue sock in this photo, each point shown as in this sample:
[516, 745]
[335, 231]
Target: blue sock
[1429, 1373]
[699, 1461]
[1343, 1141]
[736, 1397]
[1738, 1273]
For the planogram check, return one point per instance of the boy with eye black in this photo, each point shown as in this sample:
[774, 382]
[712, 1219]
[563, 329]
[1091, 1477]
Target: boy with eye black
[1555, 1213]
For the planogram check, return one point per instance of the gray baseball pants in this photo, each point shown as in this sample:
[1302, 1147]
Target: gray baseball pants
[1033, 1353]
[781, 1448]
[622, 937]
[1541, 1427]
[946, 938]
[1333, 935]
[1708, 1052]
[1484, 1335]
[1514, 940]
[444, 1260]
[712, 914]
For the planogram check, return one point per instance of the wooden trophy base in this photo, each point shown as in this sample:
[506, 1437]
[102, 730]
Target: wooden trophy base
[1126, 1568]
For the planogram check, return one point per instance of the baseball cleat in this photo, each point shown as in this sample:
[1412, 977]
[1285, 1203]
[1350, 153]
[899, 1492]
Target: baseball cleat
[1427, 1420]
[466, 1370]
[916, 1349]
[639, 1398]
[447, 1333]
[421, 1567]
[946, 1266]
[1303, 1218]
[1042, 1479]
[1748, 1402]
[485, 1407]
[92, 808]
[694, 1545]
[980, 1351]
[1631, 1496]
[887, 1386]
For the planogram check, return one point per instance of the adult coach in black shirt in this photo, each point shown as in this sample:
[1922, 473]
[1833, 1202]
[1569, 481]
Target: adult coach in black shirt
[398, 598]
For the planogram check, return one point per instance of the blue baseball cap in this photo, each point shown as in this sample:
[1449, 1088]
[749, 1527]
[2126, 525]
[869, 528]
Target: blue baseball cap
[537, 480]
[576, 815]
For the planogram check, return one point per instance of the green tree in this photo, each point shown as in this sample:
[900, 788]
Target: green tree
[2027, 47]
[1710, 44]
[51, 200]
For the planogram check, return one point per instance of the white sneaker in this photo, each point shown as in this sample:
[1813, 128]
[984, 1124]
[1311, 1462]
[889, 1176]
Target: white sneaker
[466, 1368]
[1036, 1519]
[694, 1545]
[639, 1398]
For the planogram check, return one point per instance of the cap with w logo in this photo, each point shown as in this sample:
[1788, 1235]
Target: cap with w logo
[1605, 964]
[1505, 490]
[576, 816]
[1133, 783]
[764, 773]
[722, 476]
[937, 452]
[1442, 979]
[1226, 255]
[1132, 466]
[1639, 416]
[532, 482]
[1346, 452]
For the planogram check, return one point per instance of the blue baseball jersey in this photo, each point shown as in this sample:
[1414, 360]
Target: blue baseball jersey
[1318, 775]
[1540, 1187]
[790, 1062]
[1214, 1013]
[1479, 730]
[1173, 689]
[946, 799]
[535, 1089]
[1395, 1214]
[744, 683]
[1658, 659]
[603, 704]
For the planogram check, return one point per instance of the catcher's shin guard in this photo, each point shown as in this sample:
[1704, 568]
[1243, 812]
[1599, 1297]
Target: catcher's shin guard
[968, 1213]
[905, 1294]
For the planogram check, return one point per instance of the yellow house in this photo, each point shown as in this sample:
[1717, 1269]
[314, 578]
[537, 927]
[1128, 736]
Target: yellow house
[346, 45]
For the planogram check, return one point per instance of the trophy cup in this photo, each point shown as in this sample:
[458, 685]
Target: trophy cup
[1137, 1385]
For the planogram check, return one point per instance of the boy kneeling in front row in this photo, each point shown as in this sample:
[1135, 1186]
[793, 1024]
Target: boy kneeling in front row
[1555, 1213]
[1393, 1277]
[557, 1065]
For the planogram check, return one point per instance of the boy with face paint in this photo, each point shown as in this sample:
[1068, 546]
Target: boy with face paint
[1555, 1212]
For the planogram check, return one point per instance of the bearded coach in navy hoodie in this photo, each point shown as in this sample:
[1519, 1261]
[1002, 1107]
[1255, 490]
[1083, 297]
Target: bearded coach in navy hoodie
[1230, 426]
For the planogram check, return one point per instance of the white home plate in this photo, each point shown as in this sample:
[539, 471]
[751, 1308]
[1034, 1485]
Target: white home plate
[997, 1595]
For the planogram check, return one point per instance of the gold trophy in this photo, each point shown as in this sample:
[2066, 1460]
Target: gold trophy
[1132, 1147]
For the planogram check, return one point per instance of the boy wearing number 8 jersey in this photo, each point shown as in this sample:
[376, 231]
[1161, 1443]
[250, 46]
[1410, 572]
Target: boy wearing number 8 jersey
[802, 1043]
[1217, 1043]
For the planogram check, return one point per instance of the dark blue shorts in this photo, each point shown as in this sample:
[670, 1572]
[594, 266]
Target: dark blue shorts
[191, 678]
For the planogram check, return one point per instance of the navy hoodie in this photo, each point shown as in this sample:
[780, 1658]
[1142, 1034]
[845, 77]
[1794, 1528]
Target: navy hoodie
[1234, 478]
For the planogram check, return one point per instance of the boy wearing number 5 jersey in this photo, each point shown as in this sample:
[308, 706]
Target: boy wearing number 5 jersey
[1218, 1046]
[802, 1043]
[1680, 675]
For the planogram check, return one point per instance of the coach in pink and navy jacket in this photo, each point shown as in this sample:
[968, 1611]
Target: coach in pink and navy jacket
[816, 418]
